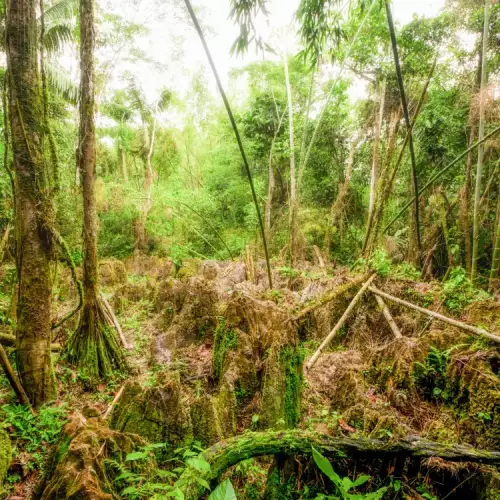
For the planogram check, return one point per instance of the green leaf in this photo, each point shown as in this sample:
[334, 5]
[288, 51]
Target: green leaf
[137, 455]
[129, 490]
[347, 484]
[199, 464]
[202, 482]
[176, 493]
[325, 466]
[361, 480]
[376, 495]
[224, 491]
[396, 485]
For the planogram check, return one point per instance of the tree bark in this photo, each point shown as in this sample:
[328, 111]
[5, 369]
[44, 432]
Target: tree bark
[480, 151]
[376, 145]
[34, 211]
[495, 260]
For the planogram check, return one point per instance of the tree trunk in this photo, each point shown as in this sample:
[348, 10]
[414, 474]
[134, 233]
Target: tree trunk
[141, 243]
[480, 151]
[34, 211]
[495, 260]
[294, 230]
[464, 204]
[124, 164]
[93, 347]
[376, 145]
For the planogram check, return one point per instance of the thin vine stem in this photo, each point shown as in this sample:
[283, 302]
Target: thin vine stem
[236, 133]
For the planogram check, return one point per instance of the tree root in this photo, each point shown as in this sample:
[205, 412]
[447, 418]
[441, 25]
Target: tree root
[94, 347]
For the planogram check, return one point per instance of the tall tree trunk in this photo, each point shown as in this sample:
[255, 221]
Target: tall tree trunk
[94, 347]
[376, 145]
[124, 164]
[495, 260]
[34, 211]
[294, 230]
[480, 151]
[141, 243]
[415, 245]
[339, 203]
[464, 205]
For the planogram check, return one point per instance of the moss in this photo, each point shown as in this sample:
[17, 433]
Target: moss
[225, 410]
[158, 414]
[292, 359]
[188, 269]
[5, 455]
[282, 387]
[225, 339]
[206, 425]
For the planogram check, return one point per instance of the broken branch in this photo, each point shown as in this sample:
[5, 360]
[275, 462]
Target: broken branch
[445, 319]
[388, 316]
[340, 322]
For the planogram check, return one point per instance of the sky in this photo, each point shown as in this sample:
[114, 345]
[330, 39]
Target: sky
[175, 51]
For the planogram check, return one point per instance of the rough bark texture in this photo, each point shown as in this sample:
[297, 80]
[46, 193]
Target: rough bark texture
[34, 213]
[94, 346]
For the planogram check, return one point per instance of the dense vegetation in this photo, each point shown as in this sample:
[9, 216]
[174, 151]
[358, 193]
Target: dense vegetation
[170, 260]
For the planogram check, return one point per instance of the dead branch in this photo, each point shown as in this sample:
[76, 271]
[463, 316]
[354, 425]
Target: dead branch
[388, 316]
[12, 378]
[340, 322]
[445, 319]
[114, 321]
[118, 395]
[10, 341]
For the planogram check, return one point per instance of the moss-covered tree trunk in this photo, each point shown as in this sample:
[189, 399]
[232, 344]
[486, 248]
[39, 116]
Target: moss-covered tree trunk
[94, 347]
[34, 213]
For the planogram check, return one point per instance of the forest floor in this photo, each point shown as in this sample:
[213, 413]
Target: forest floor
[214, 353]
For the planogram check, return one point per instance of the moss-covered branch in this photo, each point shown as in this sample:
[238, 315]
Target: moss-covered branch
[231, 451]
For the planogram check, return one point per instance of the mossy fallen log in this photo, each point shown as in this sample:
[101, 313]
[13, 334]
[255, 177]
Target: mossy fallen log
[231, 451]
[336, 293]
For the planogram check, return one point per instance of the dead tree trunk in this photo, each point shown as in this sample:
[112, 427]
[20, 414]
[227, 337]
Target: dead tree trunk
[34, 211]
[94, 347]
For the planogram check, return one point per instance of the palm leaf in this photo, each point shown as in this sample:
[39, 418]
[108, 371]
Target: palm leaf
[60, 82]
[61, 12]
[57, 36]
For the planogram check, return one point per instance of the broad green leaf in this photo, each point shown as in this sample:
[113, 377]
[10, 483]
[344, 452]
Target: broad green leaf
[396, 485]
[347, 484]
[199, 464]
[137, 455]
[361, 480]
[224, 491]
[202, 482]
[325, 466]
[376, 495]
[129, 490]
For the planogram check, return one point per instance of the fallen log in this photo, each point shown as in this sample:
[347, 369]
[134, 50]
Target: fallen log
[229, 452]
[433, 314]
[340, 322]
[329, 297]
[388, 316]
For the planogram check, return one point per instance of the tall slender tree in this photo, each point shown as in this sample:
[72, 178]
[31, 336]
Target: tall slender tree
[94, 347]
[480, 152]
[34, 213]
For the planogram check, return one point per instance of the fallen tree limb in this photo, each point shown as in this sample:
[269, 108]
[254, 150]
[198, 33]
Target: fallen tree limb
[340, 322]
[10, 341]
[388, 316]
[229, 452]
[114, 321]
[445, 319]
[12, 378]
[329, 297]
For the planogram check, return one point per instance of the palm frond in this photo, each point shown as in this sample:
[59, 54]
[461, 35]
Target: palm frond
[61, 12]
[60, 82]
[57, 36]
[165, 99]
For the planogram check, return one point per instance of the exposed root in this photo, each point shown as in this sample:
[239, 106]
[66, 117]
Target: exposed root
[94, 347]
